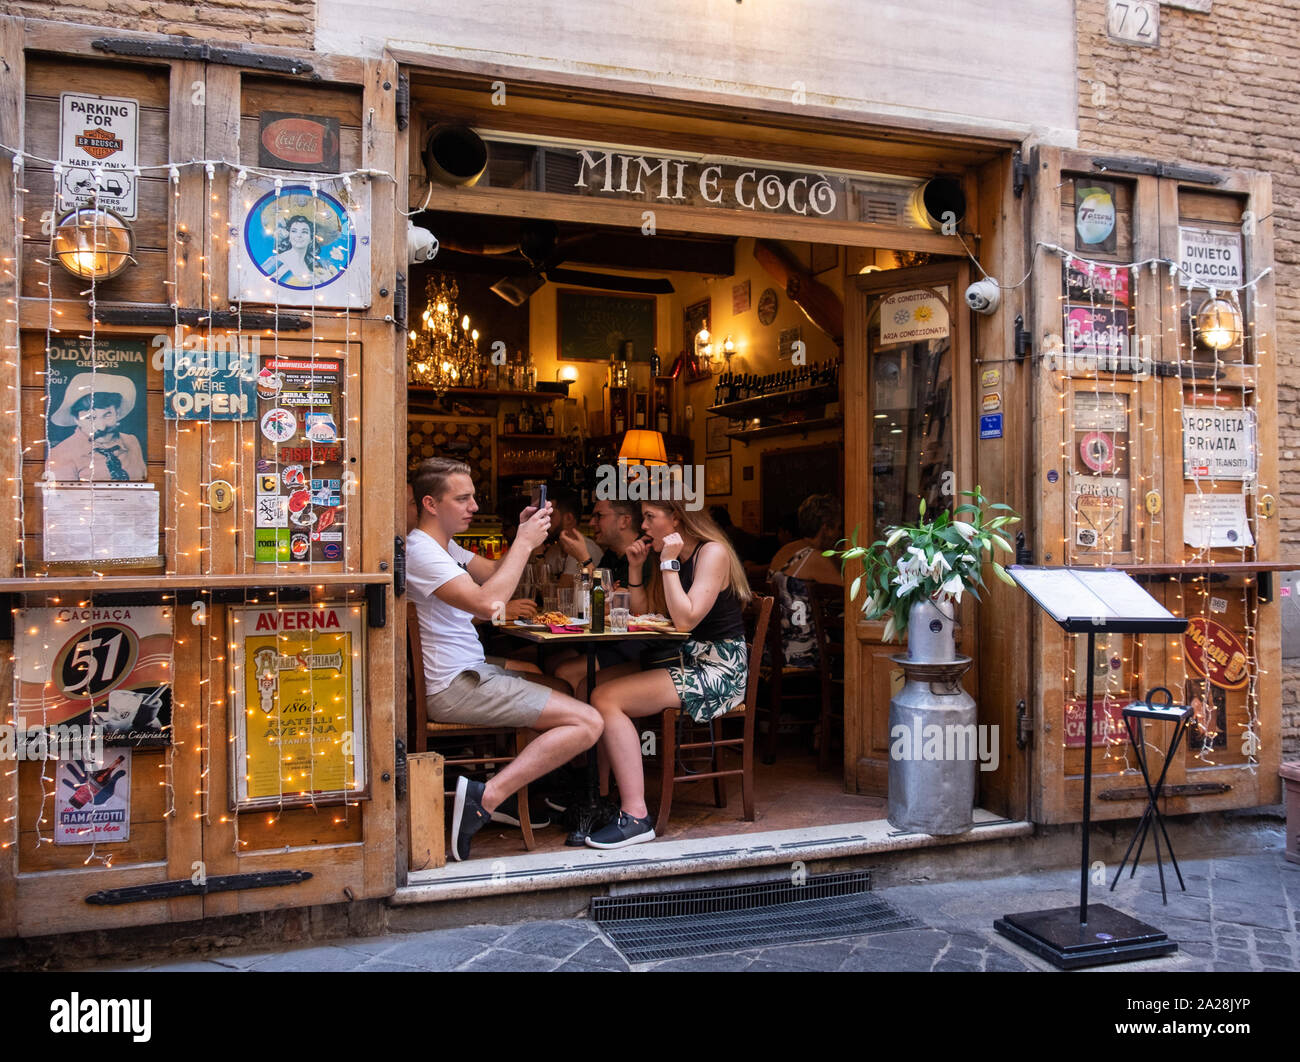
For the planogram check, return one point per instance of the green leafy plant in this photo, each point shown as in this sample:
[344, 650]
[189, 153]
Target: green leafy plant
[936, 561]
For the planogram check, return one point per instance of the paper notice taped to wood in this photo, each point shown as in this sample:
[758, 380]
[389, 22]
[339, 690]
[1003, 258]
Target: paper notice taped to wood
[1215, 520]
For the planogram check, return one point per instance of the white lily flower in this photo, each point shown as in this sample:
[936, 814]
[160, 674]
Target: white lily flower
[906, 583]
[952, 589]
[892, 540]
[938, 566]
[967, 531]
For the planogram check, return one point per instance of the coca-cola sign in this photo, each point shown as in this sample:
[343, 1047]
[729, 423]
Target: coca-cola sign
[298, 142]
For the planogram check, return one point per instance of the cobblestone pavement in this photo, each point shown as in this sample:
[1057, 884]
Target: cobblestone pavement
[1238, 914]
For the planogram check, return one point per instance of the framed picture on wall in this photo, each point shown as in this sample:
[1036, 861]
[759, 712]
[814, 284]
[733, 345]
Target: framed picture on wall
[694, 317]
[715, 435]
[717, 476]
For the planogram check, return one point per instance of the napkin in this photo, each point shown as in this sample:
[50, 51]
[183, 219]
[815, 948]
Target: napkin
[569, 629]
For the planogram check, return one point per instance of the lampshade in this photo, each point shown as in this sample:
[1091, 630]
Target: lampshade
[1218, 324]
[94, 243]
[643, 447]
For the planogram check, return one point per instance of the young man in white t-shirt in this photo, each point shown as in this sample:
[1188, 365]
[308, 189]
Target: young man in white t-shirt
[451, 587]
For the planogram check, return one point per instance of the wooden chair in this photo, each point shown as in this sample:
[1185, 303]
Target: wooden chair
[786, 686]
[827, 602]
[757, 614]
[423, 728]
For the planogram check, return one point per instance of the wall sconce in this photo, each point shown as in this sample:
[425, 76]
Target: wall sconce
[567, 373]
[1218, 324]
[94, 243]
[720, 359]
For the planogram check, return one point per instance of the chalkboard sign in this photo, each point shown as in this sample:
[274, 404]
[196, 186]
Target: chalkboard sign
[594, 325]
[787, 477]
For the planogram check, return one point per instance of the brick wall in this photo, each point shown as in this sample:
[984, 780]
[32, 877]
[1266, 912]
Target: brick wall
[1221, 89]
[284, 23]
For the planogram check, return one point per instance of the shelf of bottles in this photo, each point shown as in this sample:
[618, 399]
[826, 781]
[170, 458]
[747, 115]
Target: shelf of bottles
[484, 538]
[801, 399]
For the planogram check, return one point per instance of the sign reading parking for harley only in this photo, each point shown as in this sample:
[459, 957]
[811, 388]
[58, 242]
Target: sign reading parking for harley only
[99, 149]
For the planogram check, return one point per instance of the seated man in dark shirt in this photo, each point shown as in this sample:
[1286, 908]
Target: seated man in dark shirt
[615, 525]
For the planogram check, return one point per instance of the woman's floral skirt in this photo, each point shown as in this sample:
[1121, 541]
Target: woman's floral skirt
[712, 676]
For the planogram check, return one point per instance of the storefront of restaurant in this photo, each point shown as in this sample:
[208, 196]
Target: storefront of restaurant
[229, 590]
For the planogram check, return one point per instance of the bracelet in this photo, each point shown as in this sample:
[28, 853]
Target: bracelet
[636, 586]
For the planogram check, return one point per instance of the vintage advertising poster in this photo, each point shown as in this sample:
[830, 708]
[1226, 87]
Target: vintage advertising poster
[1208, 727]
[299, 717]
[912, 316]
[104, 526]
[214, 381]
[297, 142]
[1218, 443]
[93, 801]
[97, 427]
[1096, 282]
[299, 512]
[106, 666]
[303, 244]
[1096, 337]
[98, 151]
[1215, 521]
[1107, 721]
[1099, 479]
[1094, 215]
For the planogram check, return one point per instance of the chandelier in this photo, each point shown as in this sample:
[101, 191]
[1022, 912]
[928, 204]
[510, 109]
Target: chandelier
[443, 350]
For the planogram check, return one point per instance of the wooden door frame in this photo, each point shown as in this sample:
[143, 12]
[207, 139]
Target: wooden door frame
[865, 650]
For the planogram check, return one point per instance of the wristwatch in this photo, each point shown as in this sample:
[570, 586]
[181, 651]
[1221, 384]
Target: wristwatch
[673, 565]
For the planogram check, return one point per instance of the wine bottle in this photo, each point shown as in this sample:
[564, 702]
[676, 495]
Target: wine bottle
[93, 784]
[654, 364]
[550, 420]
[598, 607]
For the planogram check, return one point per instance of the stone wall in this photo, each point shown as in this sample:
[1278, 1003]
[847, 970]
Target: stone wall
[1221, 89]
[283, 23]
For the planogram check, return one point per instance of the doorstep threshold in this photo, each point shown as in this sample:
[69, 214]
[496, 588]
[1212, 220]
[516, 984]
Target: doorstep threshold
[569, 867]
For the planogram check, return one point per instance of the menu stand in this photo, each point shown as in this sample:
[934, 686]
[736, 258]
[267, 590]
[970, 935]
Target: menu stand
[1090, 600]
[1168, 712]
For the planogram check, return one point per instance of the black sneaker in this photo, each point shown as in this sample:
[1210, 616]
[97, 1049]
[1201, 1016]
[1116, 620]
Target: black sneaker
[508, 813]
[467, 817]
[623, 831]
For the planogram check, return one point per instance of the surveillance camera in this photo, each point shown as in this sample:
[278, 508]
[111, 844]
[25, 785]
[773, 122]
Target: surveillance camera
[984, 296]
[421, 244]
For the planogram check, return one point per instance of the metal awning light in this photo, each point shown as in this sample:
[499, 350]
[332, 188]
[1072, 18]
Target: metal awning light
[1218, 324]
[94, 243]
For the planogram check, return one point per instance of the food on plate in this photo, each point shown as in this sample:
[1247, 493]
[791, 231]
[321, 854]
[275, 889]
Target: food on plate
[553, 619]
[652, 619]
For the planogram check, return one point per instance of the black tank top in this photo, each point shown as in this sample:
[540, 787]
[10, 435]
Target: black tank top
[724, 619]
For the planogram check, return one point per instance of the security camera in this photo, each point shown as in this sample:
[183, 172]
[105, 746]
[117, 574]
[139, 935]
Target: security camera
[984, 296]
[421, 244]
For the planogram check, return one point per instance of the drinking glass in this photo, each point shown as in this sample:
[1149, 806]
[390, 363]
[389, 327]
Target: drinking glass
[567, 601]
[618, 619]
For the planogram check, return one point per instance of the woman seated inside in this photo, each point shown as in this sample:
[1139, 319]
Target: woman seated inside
[701, 585]
[795, 566]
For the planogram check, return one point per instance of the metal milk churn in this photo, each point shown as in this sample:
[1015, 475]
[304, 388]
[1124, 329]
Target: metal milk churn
[933, 750]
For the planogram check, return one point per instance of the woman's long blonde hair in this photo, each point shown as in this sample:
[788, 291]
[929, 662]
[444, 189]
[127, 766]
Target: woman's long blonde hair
[700, 526]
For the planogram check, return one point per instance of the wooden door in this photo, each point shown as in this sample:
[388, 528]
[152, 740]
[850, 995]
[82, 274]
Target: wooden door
[1148, 440]
[908, 431]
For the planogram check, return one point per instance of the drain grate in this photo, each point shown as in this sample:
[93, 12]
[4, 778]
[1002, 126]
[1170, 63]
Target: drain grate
[700, 921]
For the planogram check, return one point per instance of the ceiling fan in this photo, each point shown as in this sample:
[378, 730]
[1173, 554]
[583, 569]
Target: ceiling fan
[543, 249]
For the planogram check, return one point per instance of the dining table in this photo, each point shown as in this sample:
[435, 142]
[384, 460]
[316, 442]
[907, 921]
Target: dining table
[580, 636]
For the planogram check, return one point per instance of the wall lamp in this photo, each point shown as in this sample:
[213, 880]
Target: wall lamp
[94, 243]
[1218, 324]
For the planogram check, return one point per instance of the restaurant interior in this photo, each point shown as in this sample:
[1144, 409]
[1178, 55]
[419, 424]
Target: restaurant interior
[537, 350]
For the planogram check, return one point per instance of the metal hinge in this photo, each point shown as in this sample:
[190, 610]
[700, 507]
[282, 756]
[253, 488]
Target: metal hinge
[166, 890]
[403, 101]
[203, 53]
[158, 313]
[1020, 171]
[399, 565]
[1186, 789]
[399, 769]
[399, 300]
[1024, 725]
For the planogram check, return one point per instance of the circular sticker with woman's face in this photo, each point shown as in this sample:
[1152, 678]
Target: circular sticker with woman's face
[299, 240]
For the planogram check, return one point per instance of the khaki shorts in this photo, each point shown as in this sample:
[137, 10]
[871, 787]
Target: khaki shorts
[489, 695]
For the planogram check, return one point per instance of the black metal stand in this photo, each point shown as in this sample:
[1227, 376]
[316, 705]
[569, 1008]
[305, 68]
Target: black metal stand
[1180, 716]
[1070, 937]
